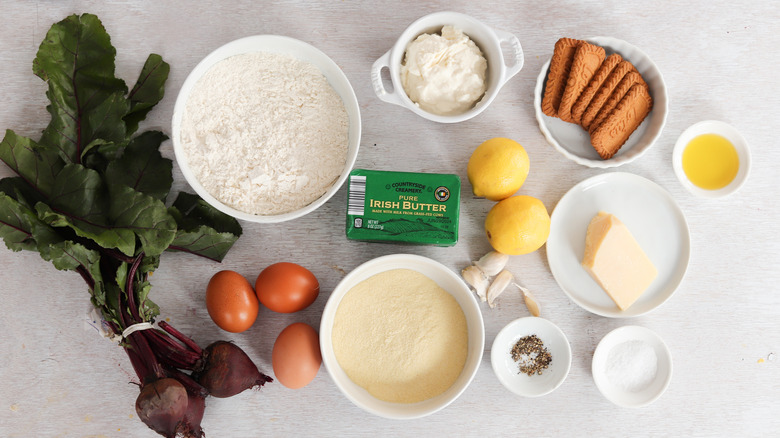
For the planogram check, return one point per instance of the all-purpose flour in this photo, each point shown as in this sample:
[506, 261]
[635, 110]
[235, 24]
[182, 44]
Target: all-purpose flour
[265, 133]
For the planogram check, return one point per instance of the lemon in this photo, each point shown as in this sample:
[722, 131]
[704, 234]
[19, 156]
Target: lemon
[517, 225]
[497, 168]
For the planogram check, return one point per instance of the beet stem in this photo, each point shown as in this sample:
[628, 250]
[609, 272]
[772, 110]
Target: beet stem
[86, 276]
[140, 343]
[139, 366]
[168, 352]
[131, 289]
[186, 340]
[192, 386]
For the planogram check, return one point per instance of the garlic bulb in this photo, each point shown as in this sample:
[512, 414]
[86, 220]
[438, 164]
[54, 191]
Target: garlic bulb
[477, 280]
[499, 284]
[492, 263]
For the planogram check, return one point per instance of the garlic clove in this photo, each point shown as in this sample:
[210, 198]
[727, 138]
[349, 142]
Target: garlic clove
[530, 301]
[477, 280]
[492, 263]
[499, 284]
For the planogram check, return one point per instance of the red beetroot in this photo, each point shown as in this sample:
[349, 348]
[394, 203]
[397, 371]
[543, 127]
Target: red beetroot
[161, 405]
[190, 425]
[226, 370]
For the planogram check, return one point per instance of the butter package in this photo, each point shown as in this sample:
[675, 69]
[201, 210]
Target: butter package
[403, 207]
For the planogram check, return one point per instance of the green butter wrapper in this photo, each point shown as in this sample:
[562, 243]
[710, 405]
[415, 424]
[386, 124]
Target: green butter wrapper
[403, 207]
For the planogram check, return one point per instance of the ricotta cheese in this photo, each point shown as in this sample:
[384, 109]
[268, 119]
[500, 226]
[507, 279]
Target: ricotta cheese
[444, 74]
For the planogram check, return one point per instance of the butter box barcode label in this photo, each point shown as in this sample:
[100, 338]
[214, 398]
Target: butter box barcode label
[404, 207]
[357, 195]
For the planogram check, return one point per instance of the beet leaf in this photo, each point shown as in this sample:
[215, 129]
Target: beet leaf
[88, 102]
[141, 166]
[147, 92]
[202, 230]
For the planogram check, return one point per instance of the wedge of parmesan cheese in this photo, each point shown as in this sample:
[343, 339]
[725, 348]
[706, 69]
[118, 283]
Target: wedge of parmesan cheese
[616, 261]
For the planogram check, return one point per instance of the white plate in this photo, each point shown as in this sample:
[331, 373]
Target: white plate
[574, 142]
[651, 215]
[615, 393]
[506, 368]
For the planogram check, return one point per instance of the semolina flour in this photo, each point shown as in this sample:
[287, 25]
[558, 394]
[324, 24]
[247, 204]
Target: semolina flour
[400, 336]
[265, 133]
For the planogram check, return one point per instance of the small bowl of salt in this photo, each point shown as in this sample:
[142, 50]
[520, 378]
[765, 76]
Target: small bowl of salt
[632, 366]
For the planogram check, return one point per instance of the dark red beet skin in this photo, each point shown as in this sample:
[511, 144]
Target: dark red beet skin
[190, 425]
[227, 370]
[161, 405]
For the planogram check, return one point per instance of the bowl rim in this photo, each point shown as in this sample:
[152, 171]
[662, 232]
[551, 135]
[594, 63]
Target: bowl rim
[732, 135]
[402, 261]
[660, 95]
[274, 44]
[496, 355]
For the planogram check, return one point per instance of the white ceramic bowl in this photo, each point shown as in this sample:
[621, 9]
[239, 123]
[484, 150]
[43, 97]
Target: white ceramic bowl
[450, 282]
[573, 141]
[506, 368]
[618, 395]
[275, 44]
[487, 39]
[729, 133]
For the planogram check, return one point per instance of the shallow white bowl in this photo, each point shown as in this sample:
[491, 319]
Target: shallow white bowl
[618, 395]
[573, 141]
[729, 133]
[487, 39]
[450, 282]
[506, 368]
[275, 44]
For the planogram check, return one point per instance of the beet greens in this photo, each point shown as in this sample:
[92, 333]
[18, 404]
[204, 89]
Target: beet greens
[89, 196]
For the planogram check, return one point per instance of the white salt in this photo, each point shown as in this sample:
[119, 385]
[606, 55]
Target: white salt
[632, 365]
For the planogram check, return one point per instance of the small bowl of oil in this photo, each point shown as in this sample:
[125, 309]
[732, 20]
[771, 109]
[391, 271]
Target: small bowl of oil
[711, 159]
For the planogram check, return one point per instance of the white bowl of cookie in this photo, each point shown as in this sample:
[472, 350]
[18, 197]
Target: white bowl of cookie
[600, 101]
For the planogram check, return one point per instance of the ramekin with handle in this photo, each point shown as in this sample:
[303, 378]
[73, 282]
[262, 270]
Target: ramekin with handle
[489, 40]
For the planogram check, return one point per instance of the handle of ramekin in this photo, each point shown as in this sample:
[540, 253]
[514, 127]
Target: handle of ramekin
[517, 49]
[376, 80]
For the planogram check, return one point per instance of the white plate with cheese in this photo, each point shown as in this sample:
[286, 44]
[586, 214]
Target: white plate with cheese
[653, 218]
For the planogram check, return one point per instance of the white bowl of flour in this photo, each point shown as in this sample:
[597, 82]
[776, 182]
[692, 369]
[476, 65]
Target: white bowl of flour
[266, 128]
[402, 336]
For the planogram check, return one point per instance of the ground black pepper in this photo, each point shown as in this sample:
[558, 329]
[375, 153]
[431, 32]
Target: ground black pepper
[531, 355]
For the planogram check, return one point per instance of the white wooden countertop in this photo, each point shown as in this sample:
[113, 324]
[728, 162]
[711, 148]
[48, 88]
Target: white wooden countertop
[719, 60]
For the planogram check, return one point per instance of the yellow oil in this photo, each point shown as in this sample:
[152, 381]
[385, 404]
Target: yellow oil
[710, 161]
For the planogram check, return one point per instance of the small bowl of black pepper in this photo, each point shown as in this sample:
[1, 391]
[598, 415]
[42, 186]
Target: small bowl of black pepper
[531, 356]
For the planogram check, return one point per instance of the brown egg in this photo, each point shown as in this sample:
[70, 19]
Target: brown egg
[231, 301]
[296, 355]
